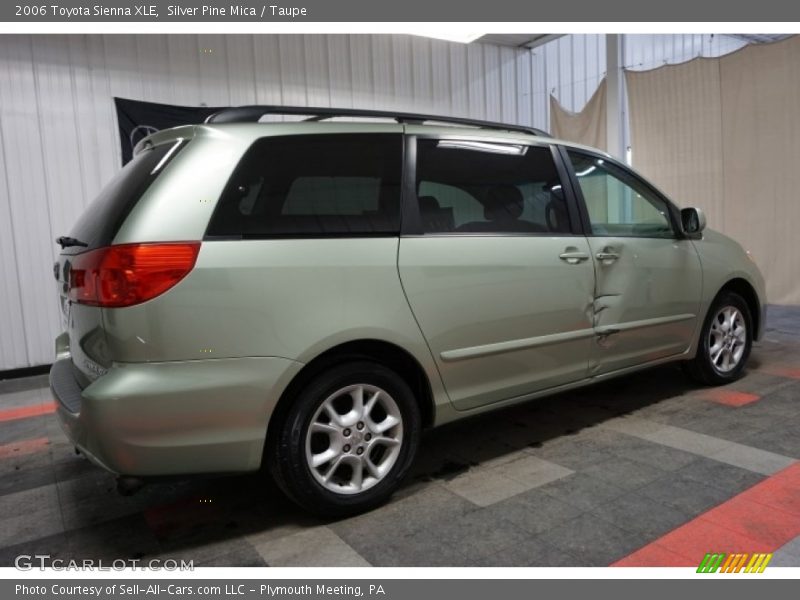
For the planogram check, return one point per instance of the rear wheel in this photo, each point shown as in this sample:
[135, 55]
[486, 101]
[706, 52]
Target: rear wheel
[347, 440]
[725, 342]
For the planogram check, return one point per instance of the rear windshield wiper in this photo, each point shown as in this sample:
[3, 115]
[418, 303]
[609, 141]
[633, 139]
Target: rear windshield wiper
[65, 242]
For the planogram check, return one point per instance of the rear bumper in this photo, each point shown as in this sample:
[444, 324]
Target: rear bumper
[173, 418]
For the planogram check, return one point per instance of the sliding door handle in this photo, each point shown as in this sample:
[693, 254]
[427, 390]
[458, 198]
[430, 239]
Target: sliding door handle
[573, 258]
[604, 255]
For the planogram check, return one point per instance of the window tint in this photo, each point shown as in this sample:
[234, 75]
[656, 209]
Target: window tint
[314, 185]
[617, 202]
[101, 220]
[466, 186]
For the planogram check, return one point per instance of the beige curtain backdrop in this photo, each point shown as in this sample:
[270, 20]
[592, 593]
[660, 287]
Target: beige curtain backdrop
[587, 127]
[723, 134]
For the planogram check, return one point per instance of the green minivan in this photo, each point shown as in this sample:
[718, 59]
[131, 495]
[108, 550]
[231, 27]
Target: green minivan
[308, 296]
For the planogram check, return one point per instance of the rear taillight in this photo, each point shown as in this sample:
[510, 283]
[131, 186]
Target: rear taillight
[129, 274]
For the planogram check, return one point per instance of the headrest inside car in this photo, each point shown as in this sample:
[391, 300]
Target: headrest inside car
[503, 203]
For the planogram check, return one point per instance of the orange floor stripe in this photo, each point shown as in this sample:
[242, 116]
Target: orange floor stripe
[730, 397]
[781, 371]
[760, 519]
[24, 447]
[790, 372]
[25, 412]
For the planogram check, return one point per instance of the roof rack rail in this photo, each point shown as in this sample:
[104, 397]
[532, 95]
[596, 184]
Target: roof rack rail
[252, 114]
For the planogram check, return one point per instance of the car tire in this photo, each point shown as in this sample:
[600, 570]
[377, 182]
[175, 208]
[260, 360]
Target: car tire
[725, 342]
[347, 439]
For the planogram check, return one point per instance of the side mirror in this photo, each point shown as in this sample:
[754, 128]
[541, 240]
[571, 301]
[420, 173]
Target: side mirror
[693, 221]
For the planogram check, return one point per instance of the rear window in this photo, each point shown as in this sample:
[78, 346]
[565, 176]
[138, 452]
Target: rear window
[314, 185]
[103, 218]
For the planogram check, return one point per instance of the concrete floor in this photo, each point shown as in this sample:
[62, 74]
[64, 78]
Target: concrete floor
[647, 470]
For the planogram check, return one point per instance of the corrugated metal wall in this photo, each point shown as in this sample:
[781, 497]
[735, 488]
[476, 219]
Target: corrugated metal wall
[569, 68]
[58, 136]
[644, 52]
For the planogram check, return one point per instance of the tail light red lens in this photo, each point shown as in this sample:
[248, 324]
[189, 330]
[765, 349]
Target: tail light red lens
[129, 274]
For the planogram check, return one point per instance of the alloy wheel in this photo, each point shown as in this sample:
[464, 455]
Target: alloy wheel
[727, 339]
[354, 439]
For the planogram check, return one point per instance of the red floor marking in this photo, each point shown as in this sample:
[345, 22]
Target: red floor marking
[24, 447]
[730, 397]
[692, 541]
[760, 519]
[165, 520]
[781, 492]
[790, 372]
[12, 414]
[781, 371]
[654, 556]
[755, 520]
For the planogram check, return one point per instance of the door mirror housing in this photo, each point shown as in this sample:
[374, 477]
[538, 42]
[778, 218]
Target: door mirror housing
[693, 221]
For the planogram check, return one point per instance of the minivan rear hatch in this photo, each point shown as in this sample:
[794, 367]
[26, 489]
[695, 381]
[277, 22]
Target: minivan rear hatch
[95, 229]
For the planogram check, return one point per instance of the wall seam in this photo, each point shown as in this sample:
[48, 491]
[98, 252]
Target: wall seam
[14, 248]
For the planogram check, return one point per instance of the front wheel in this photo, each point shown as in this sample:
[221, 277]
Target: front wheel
[347, 440]
[725, 342]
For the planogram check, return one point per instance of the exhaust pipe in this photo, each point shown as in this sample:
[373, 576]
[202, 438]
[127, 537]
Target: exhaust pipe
[128, 486]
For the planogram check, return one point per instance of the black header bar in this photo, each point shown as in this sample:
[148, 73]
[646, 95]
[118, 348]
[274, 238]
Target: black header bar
[445, 11]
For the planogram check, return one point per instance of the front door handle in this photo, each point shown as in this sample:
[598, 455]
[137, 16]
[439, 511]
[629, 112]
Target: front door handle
[606, 255]
[573, 258]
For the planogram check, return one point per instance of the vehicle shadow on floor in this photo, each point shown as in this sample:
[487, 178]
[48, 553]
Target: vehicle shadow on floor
[188, 517]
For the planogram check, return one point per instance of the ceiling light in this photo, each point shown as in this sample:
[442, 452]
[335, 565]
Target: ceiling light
[462, 37]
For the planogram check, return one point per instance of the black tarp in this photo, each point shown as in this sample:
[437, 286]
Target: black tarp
[137, 120]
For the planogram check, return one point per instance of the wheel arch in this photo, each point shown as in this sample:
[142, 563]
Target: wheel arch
[745, 289]
[382, 352]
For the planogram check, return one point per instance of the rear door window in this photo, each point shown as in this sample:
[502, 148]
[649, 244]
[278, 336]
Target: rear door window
[466, 186]
[314, 185]
[102, 219]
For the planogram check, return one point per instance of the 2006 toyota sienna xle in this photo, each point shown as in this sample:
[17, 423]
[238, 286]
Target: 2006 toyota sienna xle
[308, 296]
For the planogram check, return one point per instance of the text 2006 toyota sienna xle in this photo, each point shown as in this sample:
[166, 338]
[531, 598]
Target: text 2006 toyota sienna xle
[309, 296]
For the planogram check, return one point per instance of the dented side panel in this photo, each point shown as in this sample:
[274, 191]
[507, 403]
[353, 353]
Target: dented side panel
[503, 315]
[647, 303]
